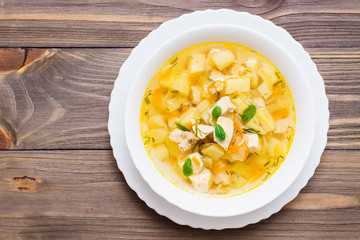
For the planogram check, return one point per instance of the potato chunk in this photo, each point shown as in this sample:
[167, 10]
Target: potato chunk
[237, 84]
[159, 134]
[223, 58]
[264, 90]
[177, 82]
[266, 120]
[267, 73]
[213, 151]
[159, 152]
[157, 121]
[197, 63]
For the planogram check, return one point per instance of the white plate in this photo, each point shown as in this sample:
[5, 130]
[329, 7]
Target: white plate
[119, 94]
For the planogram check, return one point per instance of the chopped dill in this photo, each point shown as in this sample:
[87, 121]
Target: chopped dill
[251, 130]
[267, 163]
[153, 140]
[277, 83]
[174, 91]
[146, 140]
[278, 75]
[146, 113]
[234, 96]
[267, 175]
[288, 138]
[147, 99]
[174, 62]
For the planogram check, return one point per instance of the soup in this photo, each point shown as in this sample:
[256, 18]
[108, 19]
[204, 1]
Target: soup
[217, 118]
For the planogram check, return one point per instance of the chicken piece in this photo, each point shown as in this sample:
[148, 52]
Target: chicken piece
[183, 138]
[225, 104]
[202, 182]
[196, 161]
[252, 142]
[216, 75]
[222, 178]
[196, 94]
[202, 130]
[228, 126]
[282, 125]
[216, 87]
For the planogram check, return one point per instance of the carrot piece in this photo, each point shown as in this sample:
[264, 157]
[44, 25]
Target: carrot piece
[170, 115]
[220, 166]
[282, 113]
[278, 90]
[184, 107]
[237, 125]
[156, 97]
[173, 160]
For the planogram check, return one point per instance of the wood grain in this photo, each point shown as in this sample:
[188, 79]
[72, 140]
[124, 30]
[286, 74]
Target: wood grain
[59, 179]
[82, 194]
[61, 101]
[124, 23]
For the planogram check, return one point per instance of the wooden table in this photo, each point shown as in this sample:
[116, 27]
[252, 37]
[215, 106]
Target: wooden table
[58, 63]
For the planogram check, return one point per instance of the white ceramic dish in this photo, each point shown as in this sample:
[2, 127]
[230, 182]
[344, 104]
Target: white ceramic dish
[204, 204]
[121, 88]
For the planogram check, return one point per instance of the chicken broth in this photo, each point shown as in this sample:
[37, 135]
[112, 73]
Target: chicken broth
[217, 118]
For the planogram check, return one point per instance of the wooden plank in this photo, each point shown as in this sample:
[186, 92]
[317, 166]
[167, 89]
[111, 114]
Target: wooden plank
[61, 100]
[82, 194]
[331, 24]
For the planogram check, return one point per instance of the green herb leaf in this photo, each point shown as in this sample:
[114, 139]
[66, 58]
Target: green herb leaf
[182, 127]
[251, 130]
[174, 91]
[248, 113]
[187, 168]
[219, 132]
[216, 112]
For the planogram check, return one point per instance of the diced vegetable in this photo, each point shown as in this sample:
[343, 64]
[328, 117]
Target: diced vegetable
[238, 181]
[223, 59]
[237, 84]
[213, 151]
[254, 124]
[173, 102]
[172, 147]
[159, 152]
[203, 105]
[242, 169]
[157, 121]
[267, 73]
[208, 162]
[281, 103]
[275, 147]
[205, 116]
[177, 81]
[197, 63]
[264, 90]
[159, 134]
[186, 117]
[240, 104]
[266, 121]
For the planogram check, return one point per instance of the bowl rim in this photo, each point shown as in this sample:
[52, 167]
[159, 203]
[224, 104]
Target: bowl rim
[134, 150]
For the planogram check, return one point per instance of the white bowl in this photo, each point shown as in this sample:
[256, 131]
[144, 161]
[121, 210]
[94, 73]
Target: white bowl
[226, 206]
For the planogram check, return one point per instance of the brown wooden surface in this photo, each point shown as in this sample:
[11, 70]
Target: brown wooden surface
[58, 179]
